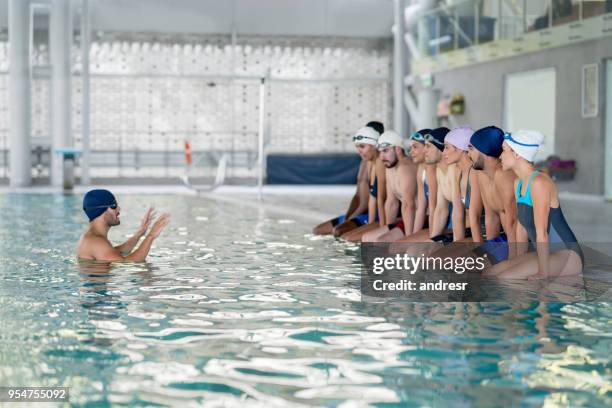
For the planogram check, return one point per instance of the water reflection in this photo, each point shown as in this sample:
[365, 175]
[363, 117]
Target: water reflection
[270, 317]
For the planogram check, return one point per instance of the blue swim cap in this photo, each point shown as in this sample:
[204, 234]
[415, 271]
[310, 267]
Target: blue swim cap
[436, 137]
[96, 202]
[488, 141]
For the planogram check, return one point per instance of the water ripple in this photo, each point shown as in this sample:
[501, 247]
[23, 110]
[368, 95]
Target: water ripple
[241, 308]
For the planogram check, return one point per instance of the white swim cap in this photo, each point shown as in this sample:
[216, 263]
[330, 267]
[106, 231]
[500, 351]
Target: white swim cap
[390, 138]
[366, 135]
[525, 143]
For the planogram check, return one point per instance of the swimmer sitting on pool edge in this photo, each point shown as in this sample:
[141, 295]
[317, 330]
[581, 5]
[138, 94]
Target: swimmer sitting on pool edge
[103, 212]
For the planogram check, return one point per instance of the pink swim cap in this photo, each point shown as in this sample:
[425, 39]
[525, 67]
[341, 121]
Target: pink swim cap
[460, 137]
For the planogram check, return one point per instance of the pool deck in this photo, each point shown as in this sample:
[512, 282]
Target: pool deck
[590, 216]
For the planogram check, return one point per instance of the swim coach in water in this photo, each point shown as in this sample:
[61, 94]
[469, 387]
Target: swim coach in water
[102, 209]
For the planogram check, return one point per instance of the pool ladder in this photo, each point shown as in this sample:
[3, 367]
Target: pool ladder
[219, 174]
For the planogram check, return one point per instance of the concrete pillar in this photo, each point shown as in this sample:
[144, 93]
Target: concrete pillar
[423, 108]
[428, 108]
[60, 33]
[400, 115]
[19, 93]
[85, 45]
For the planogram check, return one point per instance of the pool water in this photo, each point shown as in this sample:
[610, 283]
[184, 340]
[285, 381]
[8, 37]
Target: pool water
[238, 306]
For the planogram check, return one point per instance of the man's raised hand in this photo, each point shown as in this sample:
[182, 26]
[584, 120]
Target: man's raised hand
[146, 220]
[159, 225]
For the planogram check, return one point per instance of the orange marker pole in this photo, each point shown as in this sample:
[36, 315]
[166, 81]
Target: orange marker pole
[188, 158]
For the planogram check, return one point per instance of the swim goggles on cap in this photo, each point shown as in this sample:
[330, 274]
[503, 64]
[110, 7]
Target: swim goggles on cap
[429, 138]
[417, 137]
[508, 136]
[360, 137]
[112, 206]
[383, 145]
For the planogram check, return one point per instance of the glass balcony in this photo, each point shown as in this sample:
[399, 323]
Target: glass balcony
[457, 24]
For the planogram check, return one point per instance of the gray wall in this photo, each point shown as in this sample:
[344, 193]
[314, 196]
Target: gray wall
[581, 139]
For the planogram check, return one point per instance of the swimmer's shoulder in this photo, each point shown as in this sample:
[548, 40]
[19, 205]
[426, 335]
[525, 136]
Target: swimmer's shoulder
[542, 183]
[88, 244]
[380, 165]
[453, 173]
[408, 174]
[504, 177]
[408, 165]
[363, 166]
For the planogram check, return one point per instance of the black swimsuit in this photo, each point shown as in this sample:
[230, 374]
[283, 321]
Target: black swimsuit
[560, 235]
[465, 200]
[374, 188]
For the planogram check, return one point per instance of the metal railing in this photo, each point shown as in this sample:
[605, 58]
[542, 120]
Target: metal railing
[457, 24]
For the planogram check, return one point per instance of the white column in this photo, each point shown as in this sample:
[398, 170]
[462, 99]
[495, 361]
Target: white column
[400, 117]
[260, 139]
[423, 108]
[85, 45]
[428, 107]
[61, 39]
[19, 93]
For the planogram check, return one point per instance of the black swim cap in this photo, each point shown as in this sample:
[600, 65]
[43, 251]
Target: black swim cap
[436, 137]
[377, 126]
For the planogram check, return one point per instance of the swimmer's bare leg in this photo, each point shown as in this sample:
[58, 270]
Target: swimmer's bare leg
[325, 228]
[464, 249]
[356, 234]
[345, 227]
[422, 245]
[373, 236]
[400, 246]
[395, 234]
[561, 263]
[509, 264]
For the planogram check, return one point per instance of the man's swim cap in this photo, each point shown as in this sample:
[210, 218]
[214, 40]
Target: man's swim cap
[525, 143]
[366, 135]
[488, 140]
[377, 126]
[460, 137]
[96, 202]
[419, 135]
[436, 137]
[388, 139]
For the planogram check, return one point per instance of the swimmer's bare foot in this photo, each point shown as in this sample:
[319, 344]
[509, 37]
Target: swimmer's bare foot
[538, 276]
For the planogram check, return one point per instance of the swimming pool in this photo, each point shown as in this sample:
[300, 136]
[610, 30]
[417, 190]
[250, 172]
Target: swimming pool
[239, 306]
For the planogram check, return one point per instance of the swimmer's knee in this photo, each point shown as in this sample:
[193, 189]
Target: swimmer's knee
[370, 236]
[324, 228]
[338, 232]
[573, 263]
[344, 235]
[377, 238]
[491, 272]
